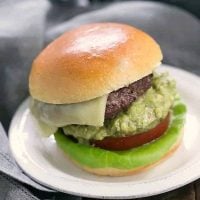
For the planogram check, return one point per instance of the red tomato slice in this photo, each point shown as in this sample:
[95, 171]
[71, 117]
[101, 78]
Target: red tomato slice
[128, 142]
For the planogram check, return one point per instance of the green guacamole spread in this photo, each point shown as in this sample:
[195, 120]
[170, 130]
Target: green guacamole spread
[143, 114]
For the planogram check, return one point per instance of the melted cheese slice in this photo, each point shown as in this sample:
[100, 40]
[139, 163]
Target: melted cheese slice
[85, 113]
[45, 129]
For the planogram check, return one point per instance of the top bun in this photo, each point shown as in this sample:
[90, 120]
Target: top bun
[91, 61]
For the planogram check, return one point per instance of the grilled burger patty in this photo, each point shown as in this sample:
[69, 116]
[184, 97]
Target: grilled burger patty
[120, 99]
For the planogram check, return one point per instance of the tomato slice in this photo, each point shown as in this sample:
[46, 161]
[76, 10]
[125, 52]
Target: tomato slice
[128, 142]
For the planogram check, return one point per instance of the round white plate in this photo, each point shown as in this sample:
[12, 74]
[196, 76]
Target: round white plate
[44, 162]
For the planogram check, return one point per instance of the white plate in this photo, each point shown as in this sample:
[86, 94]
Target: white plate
[44, 162]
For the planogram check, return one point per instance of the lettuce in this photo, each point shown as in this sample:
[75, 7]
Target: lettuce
[147, 154]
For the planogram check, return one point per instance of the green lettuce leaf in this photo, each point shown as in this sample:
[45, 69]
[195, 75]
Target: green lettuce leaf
[94, 157]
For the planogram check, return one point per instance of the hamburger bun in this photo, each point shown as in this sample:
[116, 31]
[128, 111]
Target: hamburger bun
[91, 61]
[128, 172]
[143, 154]
[122, 163]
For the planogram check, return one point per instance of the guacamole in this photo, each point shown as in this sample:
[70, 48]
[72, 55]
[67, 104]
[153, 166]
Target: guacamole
[142, 156]
[143, 114]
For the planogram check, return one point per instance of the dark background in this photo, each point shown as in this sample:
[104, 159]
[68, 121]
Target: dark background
[73, 8]
[192, 6]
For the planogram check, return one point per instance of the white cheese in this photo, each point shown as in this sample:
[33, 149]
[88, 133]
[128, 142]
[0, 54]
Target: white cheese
[85, 113]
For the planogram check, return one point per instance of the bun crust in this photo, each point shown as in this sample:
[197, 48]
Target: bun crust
[91, 61]
[125, 172]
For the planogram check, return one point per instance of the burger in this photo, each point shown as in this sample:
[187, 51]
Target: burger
[96, 89]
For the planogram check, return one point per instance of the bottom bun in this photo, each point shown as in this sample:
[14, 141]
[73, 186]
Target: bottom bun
[128, 172]
[121, 163]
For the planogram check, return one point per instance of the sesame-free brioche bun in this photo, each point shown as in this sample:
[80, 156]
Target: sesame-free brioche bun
[128, 172]
[132, 161]
[91, 61]
[141, 159]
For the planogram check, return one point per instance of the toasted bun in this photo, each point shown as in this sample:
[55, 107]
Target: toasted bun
[127, 172]
[92, 61]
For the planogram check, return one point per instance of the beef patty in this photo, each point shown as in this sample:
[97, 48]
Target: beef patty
[120, 99]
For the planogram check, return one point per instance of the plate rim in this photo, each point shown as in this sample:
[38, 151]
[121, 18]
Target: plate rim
[103, 196]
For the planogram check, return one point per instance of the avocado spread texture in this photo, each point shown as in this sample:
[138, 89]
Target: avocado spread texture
[142, 115]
